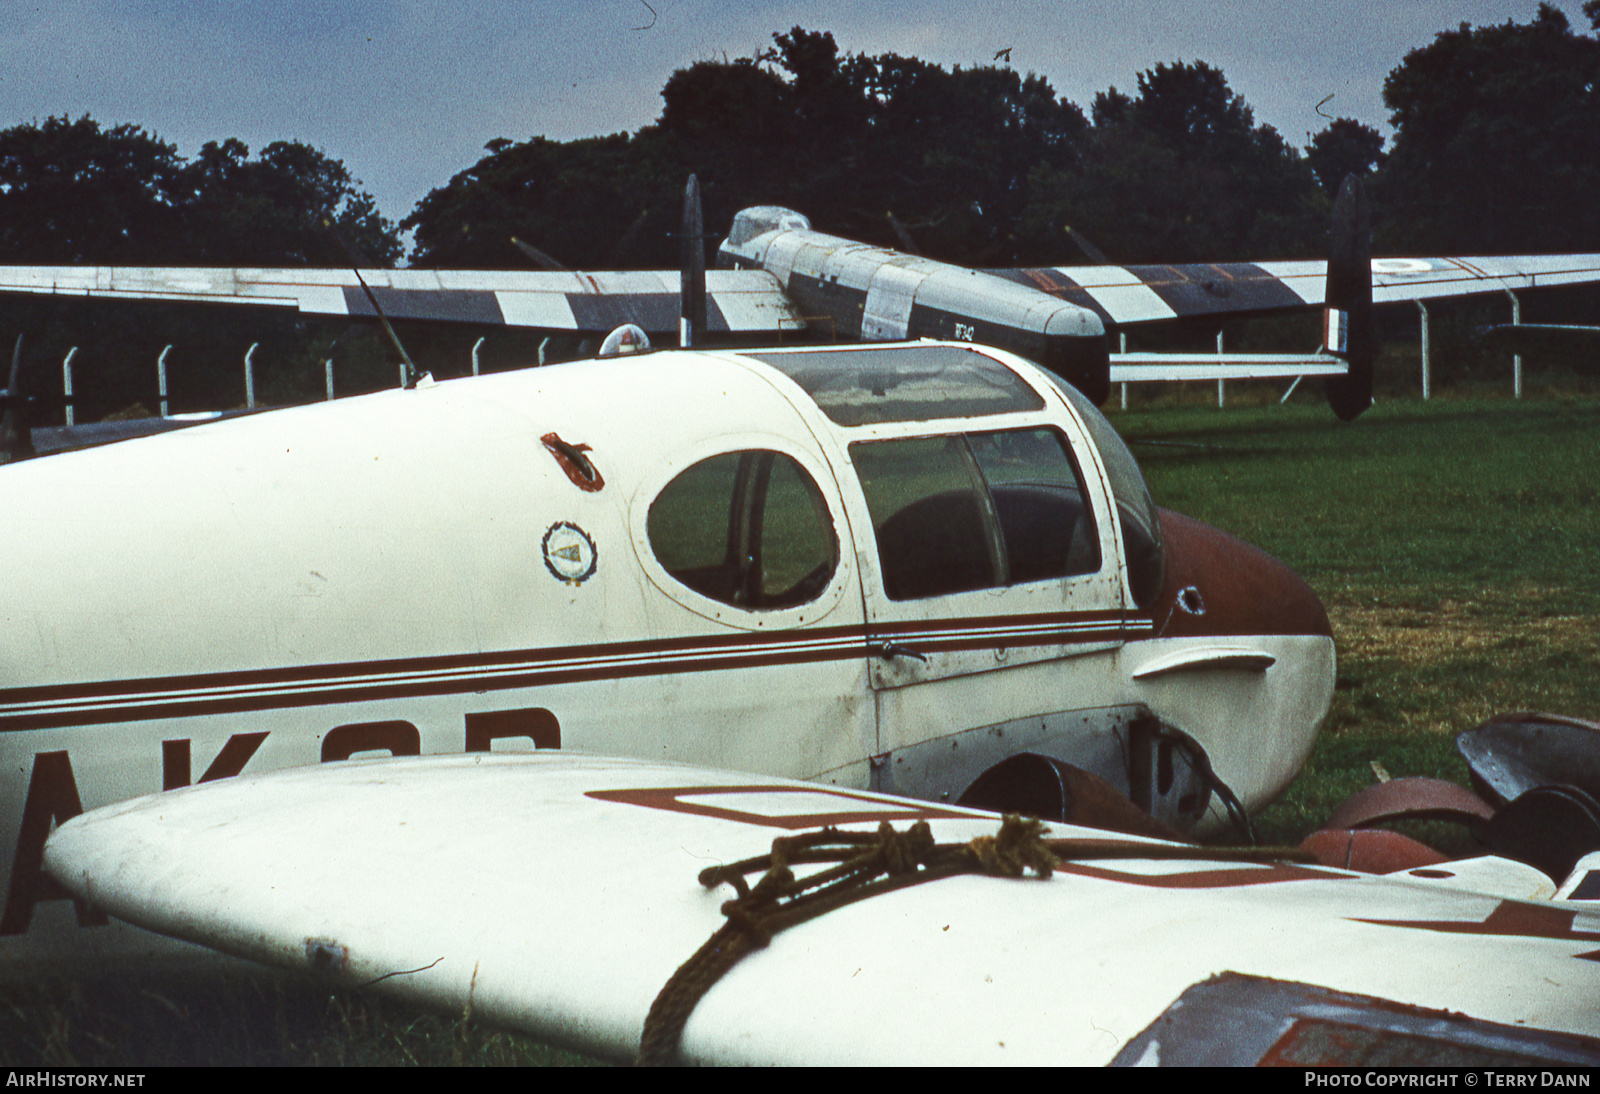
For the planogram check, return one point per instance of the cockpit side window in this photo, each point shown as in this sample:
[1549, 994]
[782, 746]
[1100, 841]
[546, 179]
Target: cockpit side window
[975, 511]
[1136, 509]
[750, 529]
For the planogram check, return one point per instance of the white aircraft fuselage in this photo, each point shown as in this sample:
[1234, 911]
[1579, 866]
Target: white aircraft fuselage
[884, 568]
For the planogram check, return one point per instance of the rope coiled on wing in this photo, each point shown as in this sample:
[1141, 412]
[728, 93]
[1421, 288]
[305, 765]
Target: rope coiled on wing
[867, 864]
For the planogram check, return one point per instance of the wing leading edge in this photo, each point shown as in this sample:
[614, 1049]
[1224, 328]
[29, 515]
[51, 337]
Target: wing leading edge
[737, 301]
[752, 301]
[1131, 295]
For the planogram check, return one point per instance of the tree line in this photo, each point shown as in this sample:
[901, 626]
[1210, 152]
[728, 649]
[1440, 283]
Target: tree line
[1496, 149]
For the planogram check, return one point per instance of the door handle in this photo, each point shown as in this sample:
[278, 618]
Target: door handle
[890, 650]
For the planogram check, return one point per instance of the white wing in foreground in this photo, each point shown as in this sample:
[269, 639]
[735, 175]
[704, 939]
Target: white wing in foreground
[559, 893]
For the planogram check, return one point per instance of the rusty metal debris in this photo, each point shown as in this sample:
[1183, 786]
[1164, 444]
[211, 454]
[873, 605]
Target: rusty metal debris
[1410, 799]
[1539, 777]
[1511, 754]
[1051, 789]
[1369, 850]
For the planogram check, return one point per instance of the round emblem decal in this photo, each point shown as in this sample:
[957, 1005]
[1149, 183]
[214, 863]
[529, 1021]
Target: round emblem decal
[569, 553]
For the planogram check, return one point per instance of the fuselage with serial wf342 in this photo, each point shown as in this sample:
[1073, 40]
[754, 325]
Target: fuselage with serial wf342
[883, 567]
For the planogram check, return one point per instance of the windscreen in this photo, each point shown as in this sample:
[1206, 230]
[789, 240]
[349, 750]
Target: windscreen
[916, 383]
[1136, 509]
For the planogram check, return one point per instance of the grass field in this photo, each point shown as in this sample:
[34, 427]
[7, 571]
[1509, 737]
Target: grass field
[1456, 544]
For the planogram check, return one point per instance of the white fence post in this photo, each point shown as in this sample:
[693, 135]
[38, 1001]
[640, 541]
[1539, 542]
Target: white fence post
[1122, 347]
[1427, 386]
[1516, 359]
[161, 378]
[66, 381]
[1219, 381]
[250, 375]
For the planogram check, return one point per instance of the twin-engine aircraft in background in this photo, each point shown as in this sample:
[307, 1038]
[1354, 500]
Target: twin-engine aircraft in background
[782, 281]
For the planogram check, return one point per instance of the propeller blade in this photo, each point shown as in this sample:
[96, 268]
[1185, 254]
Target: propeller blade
[692, 287]
[1349, 301]
[539, 258]
[1095, 254]
[907, 244]
[359, 260]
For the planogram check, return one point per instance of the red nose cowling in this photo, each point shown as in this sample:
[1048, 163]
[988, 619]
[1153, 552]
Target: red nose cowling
[1220, 585]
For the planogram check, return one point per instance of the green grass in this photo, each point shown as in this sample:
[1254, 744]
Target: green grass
[237, 1020]
[1455, 542]
[1451, 498]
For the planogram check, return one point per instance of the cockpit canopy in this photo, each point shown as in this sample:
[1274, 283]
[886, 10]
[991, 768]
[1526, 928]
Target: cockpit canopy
[760, 219]
[915, 383]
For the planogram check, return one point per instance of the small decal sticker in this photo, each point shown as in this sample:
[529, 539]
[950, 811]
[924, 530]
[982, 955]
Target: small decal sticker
[569, 553]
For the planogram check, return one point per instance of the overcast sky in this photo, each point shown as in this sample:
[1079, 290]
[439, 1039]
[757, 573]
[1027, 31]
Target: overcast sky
[406, 92]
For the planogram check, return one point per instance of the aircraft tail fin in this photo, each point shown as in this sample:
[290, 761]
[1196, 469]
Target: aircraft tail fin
[692, 290]
[1348, 330]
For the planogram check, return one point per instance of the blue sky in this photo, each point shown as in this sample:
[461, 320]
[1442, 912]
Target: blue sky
[406, 92]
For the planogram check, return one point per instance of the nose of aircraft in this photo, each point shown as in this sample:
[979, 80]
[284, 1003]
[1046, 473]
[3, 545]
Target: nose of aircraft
[1218, 585]
[1241, 660]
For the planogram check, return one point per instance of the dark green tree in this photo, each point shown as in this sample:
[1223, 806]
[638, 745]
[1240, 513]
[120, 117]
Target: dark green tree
[844, 139]
[72, 192]
[578, 201]
[1343, 147]
[270, 211]
[1180, 172]
[1497, 141]
[951, 153]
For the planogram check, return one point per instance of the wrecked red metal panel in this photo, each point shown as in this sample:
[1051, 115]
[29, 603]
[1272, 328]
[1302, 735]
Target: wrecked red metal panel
[1410, 799]
[1369, 850]
[1234, 1020]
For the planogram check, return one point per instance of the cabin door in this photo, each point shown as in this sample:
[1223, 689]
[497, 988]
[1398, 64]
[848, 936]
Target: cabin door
[994, 608]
